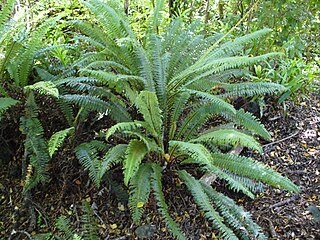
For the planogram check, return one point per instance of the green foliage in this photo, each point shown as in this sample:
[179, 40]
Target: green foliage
[6, 103]
[57, 139]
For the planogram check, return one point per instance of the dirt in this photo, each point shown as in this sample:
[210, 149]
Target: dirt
[294, 152]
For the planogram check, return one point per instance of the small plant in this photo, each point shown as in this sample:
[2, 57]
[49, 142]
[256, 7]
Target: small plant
[175, 83]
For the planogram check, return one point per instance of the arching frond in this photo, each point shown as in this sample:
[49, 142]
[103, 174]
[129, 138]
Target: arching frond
[57, 139]
[45, 88]
[135, 152]
[204, 203]
[124, 126]
[248, 167]
[229, 137]
[140, 186]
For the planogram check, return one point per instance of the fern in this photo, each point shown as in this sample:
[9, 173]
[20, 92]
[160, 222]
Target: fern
[140, 191]
[134, 154]
[248, 167]
[6, 103]
[35, 145]
[148, 105]
[229, 137]
[57, 139]
[204, 203]
[44, 88]
[89, 229]
[88, 157]
[162, 206]
[63, 225]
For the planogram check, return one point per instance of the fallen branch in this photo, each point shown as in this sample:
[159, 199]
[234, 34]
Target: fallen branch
[291, 199]
[281, 140]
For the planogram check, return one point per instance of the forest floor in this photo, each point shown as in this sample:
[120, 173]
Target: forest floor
[294, 152]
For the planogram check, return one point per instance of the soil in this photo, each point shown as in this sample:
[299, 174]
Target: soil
[294, 152]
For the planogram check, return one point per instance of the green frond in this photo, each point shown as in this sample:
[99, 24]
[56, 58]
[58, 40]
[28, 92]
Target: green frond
[44, 88]
[57, 139]
[6, 103]
[161, 203]
[35, 145]
[110, 65]
[88, 157]
[124, 126]
[135, 152]
[234, 46]
[229, 137]
[35, 41]
[248, 89]
[89, 227]
[249, 183]
[203, 201]
[234, 215]
[197, 152]
[231, 182]
[244, 166]
[159, 70]
[148, 105]
[63, 225]
[115, 25]
[140, 190]
[6, 11]
[215, 100]
[114, 156]
[251, 123]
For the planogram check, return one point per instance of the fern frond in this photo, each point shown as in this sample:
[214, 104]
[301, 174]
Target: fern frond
[197, 152]
[204, 203]
[113, 156]
[6, 11]
[229, 137]
[140, 191]
[135, 152]
[235, 215]
[44, 88]
[124, 126]
[63, 225]
[162, 206]
[148, 105]
[248, 89]
[88, 157]
[247, 120]
[57, 139]
[248, 167]
[6, 103]
[34, 43]
[89, 226]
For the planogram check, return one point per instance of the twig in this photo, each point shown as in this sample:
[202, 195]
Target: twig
[291, 199]
[271, 228]
[13, 232]
[281, 140]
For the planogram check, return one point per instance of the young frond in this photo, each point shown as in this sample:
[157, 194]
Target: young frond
[57, 139]
[135, 153]
[248, 167]
[203, 201]
[140, 191]
[196, 152]
[162, 206]
[229, 137]
[148, 105]
[124, 126]
[44, 88]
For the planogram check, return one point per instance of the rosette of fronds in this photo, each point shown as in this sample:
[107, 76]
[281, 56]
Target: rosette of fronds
[179, 83]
